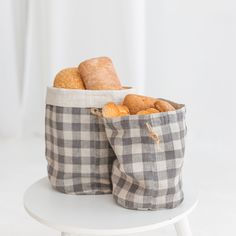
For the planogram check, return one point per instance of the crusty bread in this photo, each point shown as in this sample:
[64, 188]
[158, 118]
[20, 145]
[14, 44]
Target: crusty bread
[163, 106]
[148, 111]
[112, 110]
[99, 74]
[137, 103]
[123, 109]
[69, 78]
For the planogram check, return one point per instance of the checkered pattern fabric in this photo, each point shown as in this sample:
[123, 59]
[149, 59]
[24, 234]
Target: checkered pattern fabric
[77, 150]
[147, 175]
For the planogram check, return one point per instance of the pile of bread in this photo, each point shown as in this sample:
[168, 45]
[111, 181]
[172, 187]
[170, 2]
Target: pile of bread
[134, 104]
[93, 74]
[99, 74]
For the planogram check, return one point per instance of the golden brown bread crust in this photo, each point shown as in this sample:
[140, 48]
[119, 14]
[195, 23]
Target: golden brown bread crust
[123, 109]
[148, 111]
[163, 106]
[137, 103]
[173, 104]
[112, 110]
[99, 74]
[133, 103]
[69, 78]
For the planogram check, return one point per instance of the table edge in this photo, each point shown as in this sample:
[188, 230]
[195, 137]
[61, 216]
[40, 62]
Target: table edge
[70, 229]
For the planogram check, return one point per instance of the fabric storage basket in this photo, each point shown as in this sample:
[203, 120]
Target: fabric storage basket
[77, 150]
[150, 152]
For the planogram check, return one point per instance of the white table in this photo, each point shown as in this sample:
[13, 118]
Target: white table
[99, 214]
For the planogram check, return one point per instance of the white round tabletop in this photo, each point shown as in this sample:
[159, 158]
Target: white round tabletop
[96, 214]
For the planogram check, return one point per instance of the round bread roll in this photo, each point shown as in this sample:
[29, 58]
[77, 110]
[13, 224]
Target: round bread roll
[137, 103]
[69, 78]
[124, 110]
[99, 74]
[112, 110]
[163, 106]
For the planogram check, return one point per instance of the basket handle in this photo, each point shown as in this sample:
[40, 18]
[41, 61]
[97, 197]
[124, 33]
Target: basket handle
[96, 112]
[152, 134]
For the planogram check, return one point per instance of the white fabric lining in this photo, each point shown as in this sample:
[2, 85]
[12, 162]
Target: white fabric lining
[85, 98]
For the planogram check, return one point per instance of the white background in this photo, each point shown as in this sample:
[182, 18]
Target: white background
[189, 55]
[181, 50]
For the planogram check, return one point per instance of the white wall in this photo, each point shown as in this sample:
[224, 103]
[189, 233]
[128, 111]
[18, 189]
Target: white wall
[55, 35]
[190, 56]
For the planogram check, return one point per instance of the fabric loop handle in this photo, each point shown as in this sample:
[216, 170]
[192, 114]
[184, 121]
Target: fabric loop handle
[96, 112]
[152, 134]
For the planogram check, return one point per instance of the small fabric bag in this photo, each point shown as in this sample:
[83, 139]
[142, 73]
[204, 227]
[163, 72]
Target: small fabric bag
[78, 153]
[150, 154]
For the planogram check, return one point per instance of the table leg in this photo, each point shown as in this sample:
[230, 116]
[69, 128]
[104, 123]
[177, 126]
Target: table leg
[65, 234]
[182, 227]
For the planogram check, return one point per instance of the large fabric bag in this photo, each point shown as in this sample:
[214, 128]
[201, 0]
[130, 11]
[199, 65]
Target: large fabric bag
[150, 154]
[78, 153]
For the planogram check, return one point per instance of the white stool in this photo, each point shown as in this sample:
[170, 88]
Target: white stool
[99, 214]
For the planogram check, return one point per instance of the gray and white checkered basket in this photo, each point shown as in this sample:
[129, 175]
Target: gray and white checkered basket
[77, 150]
[150, 152]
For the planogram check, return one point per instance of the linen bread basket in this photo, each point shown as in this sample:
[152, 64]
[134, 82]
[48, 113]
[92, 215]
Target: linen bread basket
[147, 174]
[78, 153]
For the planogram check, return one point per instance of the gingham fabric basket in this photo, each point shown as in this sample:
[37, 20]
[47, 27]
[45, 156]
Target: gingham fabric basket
[150, 154]
[78, 153]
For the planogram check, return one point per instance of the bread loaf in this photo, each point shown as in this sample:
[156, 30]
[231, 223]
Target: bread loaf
[99, 74]
[112, 110]
[69, 78]
[163, 106]
[137, 103]
[123, 109]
